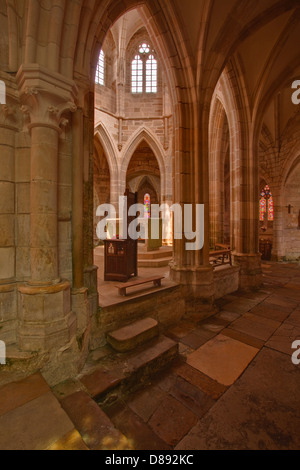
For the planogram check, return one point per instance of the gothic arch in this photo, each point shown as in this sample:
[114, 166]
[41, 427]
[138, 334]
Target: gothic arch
[234, 103]
[109, 149]
[140, 136]
[102, 135]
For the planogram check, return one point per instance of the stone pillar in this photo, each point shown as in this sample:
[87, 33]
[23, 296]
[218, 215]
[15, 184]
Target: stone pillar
[244, 230]
[44, 223]
[8, 203]
[192, 268]
[77, 183]
[45, 318]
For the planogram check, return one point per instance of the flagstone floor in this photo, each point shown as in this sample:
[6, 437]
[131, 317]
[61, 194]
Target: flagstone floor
[234, 386]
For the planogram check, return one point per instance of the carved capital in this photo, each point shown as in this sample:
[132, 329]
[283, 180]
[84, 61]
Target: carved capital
[9, 116]
[45, 97]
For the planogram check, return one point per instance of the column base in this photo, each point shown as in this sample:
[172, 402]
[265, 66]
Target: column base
[250, 270]
[197, 287]
[46, 321]
[81, 308]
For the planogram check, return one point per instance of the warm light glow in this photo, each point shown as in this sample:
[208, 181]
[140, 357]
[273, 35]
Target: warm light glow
[99, 79]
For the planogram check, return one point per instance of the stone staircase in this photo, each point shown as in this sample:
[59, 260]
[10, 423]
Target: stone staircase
[132, 355]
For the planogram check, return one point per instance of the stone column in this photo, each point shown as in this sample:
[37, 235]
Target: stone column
[45, 318]
[8, 203]
[192, 268]
[44, 223]
[244, 229]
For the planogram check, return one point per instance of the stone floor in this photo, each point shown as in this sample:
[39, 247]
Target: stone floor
[234, 386]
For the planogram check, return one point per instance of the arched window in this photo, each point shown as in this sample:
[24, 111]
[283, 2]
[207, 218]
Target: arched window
[137, 75]
[147, 206]
[151, 75]
[100, 71]
[266, 205]
[144, 71]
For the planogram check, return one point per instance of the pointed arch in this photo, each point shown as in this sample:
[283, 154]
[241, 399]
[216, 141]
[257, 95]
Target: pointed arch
[141, 135]
[103, 137]
[108, 147]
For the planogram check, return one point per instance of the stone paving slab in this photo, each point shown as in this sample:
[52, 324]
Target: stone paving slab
[94, 426]
[71, 441]
[243, 338]
[16, 394]
[255, 325]
[241, 305]
[181, 330]
[294, 318]
[139, 434]
[34, 426]
[193, 340]
[260, 411]
[282, 302]
[228, 316]
[274, 312]
[209, 386]
[283, 339]
[191, 397]
[145, 402]
[223, 359]
[172, 420]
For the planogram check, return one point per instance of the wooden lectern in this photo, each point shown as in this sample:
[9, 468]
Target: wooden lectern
[120, 254]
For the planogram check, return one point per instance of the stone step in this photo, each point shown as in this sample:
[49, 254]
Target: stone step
[94, 426]
[157, 254]
[133, 335]
[154, 263]
[119, 373]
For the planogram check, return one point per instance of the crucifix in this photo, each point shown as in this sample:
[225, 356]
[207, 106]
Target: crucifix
[289, 207]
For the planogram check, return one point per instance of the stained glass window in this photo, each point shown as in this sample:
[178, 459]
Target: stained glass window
[266, 205]
[147, 206]
[262, 209]
[270, 209]
[100, 70]
[144, 71]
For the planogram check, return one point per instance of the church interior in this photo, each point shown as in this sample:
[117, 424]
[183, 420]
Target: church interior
[115, 343]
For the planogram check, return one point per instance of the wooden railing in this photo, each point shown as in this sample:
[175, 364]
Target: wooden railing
[220, 256]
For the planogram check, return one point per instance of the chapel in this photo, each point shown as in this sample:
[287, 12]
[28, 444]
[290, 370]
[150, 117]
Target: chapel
[189, 110]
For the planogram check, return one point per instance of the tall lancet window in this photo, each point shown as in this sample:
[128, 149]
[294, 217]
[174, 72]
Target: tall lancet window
[147, 206]
[144, 71]
[100, 71]
[137, 75]
[266, 205]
